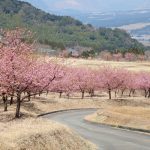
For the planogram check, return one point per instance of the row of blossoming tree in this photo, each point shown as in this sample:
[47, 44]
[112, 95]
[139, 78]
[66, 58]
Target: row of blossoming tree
[105, 79]
[22, 75]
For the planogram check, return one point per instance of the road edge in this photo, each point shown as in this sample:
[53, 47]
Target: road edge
[120, 127]
[66, 110]
[96, 123]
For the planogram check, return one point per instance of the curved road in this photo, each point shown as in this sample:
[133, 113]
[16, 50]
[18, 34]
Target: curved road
[105, 137]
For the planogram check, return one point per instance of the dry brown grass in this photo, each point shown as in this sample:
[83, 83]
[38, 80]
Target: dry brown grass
[128, 116]
[40, 134]
[48, 103]
[95, 63]
[52, 102]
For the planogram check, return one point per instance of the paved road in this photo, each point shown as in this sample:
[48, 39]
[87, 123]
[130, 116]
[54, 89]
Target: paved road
[106, 138]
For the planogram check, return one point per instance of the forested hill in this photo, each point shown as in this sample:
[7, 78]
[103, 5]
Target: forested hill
[62, 31]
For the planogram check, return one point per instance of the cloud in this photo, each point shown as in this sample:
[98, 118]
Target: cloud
[67, 4]
[90, 5]
[144, 5]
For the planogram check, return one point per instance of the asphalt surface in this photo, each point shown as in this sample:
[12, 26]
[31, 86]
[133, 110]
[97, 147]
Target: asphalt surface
[105, 137]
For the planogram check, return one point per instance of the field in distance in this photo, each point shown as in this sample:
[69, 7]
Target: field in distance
[96, 63]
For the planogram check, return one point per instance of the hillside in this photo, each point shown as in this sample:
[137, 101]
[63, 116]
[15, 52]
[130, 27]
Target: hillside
[40, 134]
[61, 32]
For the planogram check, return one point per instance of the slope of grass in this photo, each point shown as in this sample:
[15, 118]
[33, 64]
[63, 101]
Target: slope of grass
[134, 117]
[40, 134]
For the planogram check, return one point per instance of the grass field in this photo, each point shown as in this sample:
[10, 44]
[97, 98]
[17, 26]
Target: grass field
[40, 134]
[96, 63]
[31, 133]
[128, 116]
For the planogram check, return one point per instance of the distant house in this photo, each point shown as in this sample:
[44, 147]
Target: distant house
[45, 49]
[64, 54]
[78, 50]
[74, 52]
[69, 52]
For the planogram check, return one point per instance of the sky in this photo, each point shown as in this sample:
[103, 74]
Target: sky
[90, 5]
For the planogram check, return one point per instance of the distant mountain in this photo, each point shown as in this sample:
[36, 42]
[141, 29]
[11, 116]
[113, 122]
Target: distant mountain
[109, 19]
[62, 31]
[90, 6]
[139, 20]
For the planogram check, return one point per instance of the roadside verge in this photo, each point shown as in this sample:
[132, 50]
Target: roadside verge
[66, 110]
[118, 126]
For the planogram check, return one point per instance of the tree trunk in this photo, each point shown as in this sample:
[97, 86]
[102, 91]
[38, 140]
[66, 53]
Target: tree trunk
[149, 93]
[92, 93]
[130, 93]
[133, 92]
[18, 105]
[5, 106]
[115, 94]
[122, 92]
[145, 91]
[29, 96]
[11, 100]
[68, 95]
[82, 94]
[60, 94]
[109, 92]
[5, 102]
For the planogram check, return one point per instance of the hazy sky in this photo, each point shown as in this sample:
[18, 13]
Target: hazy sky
[91, 5]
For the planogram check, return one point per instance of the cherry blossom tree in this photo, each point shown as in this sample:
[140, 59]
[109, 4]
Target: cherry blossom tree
[105, 55]
[20, 72]
[81, 76]
[143, 82]
[117, 57]
[92, 81]
[130, 56]
[13, 53]
[141, 57]
[111, 79]
[65, 84]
